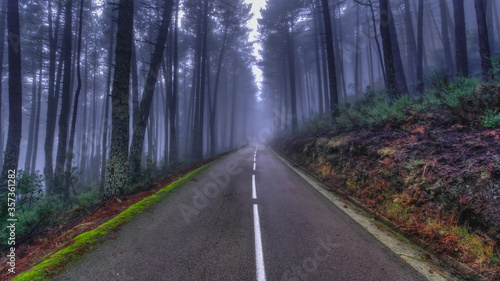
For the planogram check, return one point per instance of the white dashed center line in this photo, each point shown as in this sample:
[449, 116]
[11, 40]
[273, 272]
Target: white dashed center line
[259, 254]
[254, 192]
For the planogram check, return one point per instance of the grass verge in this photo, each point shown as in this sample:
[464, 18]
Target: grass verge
[83, 242]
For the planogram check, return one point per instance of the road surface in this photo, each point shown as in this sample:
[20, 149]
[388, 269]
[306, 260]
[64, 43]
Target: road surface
[248, 217]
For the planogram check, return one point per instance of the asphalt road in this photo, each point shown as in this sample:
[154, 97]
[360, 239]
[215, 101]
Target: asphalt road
[214, 229]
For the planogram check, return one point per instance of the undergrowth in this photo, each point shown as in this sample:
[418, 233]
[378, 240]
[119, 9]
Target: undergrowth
[464, 101]
[34, 211]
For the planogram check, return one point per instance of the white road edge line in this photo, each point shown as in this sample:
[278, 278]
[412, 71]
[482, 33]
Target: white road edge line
[254, 192]
[259, 255]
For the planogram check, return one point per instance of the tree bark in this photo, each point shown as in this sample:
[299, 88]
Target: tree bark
[11, 156]
[391, 82]
[29, 148]
[70, 154]
[136, 148]
[52, 101]
[293, 89]
[106, 107]
[332, 77]
[232, 131]
[411, 43]
[420, 48]
[213, 112]
[174, 149]
[3, 15]
[379, 49]
[450, 70]
[317, 43]
[37, 117]
[461, 57]
[135, 86]
[489, 11]
[84, 148]
[398, 63]
[200, 100]
[484, 45]
[116, 168]
[65, 102]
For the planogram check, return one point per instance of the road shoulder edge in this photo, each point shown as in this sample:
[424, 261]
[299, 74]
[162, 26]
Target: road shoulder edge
[84, 242]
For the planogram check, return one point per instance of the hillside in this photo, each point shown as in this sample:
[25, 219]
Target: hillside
[434, 174]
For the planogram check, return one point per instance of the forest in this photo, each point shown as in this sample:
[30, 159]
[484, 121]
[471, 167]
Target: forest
[101, 98]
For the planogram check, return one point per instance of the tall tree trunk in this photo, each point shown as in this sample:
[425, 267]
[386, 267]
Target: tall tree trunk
[332, 77]
[396, 54]
[84, 148]
[489, 10]
[136, 148]
[29, 149]
[70, 154]
[200, 101]
[379, 49]
[52, 101]
[338, 52]
[324, 66]
[15, 94]
[106, 105]
[317, 43]
[461, 57]
[174, 149]
[291, 68]
[167, 76]
[3, 15]
[356, 59]
[494, 4]
[37, 117]
[420, 47]
[450, 70]
[369, 51]
[135, 86]
[116, 168]
[391, 82]
[65, 102]
[484, 46]
[410, 41]
[232, 130]
[213, 112]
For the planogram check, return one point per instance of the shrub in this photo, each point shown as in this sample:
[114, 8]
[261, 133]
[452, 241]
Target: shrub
[88, 198]
[491, 119]
[495, 71]
[317, 124]
[452, 95]
[375, 110]
[34, 212]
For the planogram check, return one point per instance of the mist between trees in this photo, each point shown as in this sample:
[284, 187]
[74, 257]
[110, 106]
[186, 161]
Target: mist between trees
[102, 96]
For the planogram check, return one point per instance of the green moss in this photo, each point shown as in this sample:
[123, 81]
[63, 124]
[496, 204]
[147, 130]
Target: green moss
[83, 242]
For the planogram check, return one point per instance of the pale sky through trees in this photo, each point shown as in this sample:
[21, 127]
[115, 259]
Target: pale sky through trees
[254, 35]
